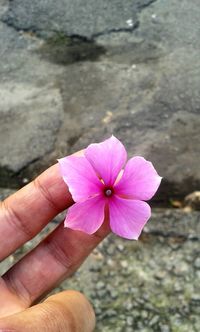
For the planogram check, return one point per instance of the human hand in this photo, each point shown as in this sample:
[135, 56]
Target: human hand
[22, 216]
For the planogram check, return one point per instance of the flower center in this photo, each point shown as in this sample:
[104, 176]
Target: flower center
[108, 192]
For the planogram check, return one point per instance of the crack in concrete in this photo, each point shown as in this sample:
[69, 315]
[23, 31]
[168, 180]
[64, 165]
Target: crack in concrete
[38, 31]
[32, 29]
[145, 5]
[108, 32]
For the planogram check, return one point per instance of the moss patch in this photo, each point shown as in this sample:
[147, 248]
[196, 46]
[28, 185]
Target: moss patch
[65, 50]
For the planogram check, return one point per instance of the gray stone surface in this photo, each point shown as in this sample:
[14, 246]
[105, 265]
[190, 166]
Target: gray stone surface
[140, 106]
[174, 24]
[74, 18]
[29, 117]
[147, 285]
[10, 45]
[141, 84]
[3, 7]
[20, 62]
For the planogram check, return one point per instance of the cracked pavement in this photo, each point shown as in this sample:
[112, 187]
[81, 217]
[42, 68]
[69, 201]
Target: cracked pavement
[142, 85]
[48, 17]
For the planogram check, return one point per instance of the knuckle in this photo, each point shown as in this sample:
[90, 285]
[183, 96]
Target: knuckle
[16, 221]
[43, 190]
[59, 253]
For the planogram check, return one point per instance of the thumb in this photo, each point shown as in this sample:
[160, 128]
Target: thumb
[67, 311]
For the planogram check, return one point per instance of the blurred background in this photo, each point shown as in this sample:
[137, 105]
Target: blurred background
[75, 72]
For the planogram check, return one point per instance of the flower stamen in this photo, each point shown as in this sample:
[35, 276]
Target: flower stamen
[108, 192]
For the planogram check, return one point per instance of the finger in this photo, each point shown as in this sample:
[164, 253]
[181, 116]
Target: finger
[54, 259]
[9, 301]
[25, 213]
[68, 311]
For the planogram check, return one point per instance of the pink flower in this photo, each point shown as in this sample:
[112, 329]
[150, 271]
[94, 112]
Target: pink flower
[97, 182]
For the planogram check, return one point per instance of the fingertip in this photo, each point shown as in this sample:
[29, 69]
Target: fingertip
[76, 308]
[66, 311]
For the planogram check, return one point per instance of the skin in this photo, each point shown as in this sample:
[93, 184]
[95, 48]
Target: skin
[22, 216]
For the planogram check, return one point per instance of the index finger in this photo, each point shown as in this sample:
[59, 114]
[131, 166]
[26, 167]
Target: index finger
[27, 212]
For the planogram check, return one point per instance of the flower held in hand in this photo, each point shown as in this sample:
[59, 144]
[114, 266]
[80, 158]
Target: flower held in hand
[97, 181]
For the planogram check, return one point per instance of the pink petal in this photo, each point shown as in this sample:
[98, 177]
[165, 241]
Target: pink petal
[107, 159]
[80, 177]
[128, 217]
[139, 180]
[86, 216]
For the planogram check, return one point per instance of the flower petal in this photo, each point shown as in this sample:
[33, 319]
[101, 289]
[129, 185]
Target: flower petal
[128, 217]
[107, 158]
[139, 180]
[86, 216]
[80, 177]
